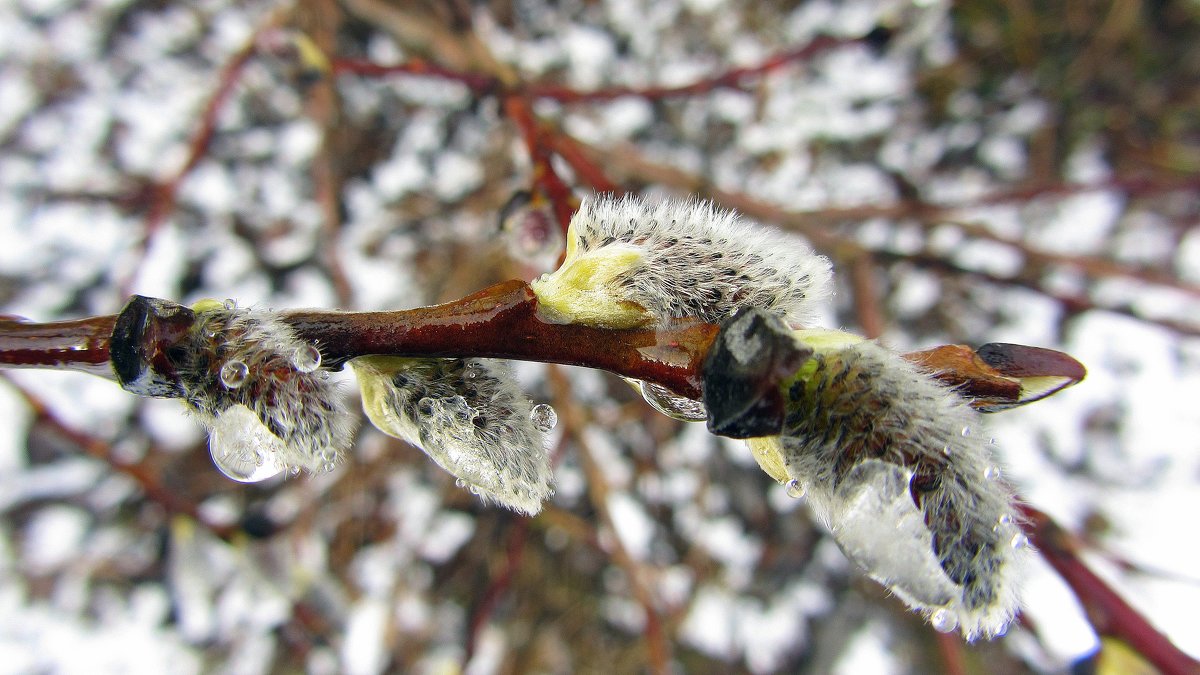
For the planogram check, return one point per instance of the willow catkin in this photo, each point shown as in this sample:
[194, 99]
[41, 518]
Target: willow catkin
[633, 262]
[259, 390]
[893, 462]
[469, 417]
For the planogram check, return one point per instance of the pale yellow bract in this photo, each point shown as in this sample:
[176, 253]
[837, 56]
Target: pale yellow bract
[584, 289]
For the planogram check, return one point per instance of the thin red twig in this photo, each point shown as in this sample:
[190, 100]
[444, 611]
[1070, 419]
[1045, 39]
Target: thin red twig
[815, 225]
[1109, 614]
[950, 648]
[545, 178]
[164, 194]
[658, 648]
[518, 535]
[480, 84]
[734, 78]
[585, 169]
[141, 474]
[324, 107]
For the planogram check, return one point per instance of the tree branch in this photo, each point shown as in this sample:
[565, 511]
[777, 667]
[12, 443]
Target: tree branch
[501, 322]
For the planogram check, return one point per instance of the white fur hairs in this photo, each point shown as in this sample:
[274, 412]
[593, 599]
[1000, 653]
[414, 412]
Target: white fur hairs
[469, 417]
[259, 390]
[632, 262]
[892, 461]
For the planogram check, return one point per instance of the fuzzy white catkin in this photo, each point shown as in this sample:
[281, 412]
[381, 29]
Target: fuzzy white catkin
[469, 417]
[633, 262]
[302, 423]
[892, 461]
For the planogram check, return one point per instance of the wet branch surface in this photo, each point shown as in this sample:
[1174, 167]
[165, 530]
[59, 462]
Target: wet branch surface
[501, 322]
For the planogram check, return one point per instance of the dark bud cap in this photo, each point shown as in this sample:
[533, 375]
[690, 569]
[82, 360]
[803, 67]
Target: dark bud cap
[257, 524]
[751, 356]
[515, 204]
[143, 334]
[1038, 372]
[879, 38]
[1024, 361]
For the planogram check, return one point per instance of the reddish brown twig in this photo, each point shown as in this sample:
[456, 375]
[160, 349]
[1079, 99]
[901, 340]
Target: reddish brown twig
[1109, 614]
[735, 78]
[501, 321]
[545, 178]
[479, 84]
[141, 474]
[81, 344]
[658, 648]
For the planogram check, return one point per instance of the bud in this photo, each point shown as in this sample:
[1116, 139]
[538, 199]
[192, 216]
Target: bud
[634, 263]
[258, 388]
[889, 460]
[469, 417]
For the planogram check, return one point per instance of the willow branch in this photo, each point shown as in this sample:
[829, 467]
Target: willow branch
[80, 345]
[501, 322]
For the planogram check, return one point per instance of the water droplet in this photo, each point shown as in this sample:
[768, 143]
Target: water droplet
[966, 431]
[943, 621]
[1005, 519]
[460, 483]
[230, 304]
[543, 417]
[877, 525]
[1019, 541]
[669, 403]
[795, 489]
[425, 406]
[234, 374]
[242, 448]
[946, 450]
[991, 441]
[991, 473]
[462, 411]
[307, 358]
[472, 371]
